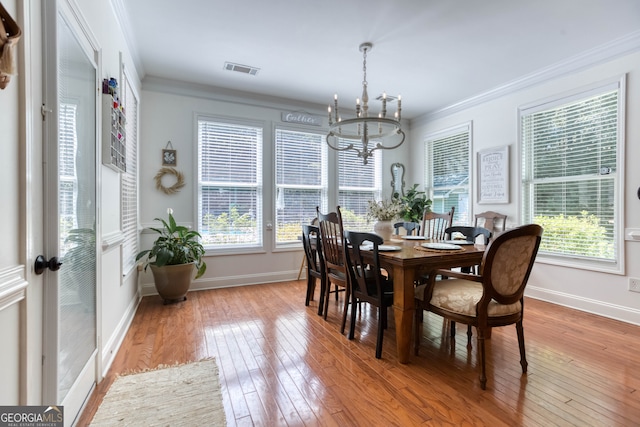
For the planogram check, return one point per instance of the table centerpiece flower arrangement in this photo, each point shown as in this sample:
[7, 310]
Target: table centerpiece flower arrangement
[384, 212]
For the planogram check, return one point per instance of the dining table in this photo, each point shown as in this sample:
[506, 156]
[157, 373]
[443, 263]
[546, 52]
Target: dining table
[407, 260]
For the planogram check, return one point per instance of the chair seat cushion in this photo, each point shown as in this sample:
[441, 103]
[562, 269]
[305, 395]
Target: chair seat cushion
[460, 296]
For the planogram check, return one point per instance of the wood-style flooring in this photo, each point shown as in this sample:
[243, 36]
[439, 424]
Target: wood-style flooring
[283, 365]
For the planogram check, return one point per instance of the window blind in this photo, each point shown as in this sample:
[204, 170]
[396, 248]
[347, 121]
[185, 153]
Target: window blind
[448, 172]
[301, 181]
[129, 180]
[569, 155]
[358, 184]
[229, 184]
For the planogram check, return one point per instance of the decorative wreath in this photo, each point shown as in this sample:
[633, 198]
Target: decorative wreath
[175, 187]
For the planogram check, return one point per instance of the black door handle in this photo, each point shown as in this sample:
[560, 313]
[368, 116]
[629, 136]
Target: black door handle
[42, 264]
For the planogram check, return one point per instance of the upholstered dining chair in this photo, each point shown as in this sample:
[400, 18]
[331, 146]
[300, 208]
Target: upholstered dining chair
[368, 283]
[315, 264]
[492, 298]
[435, 224]
[332, 240]
[492, 221]
[410, 227]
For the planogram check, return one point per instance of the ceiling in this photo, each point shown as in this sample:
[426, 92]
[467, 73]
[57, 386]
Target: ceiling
[435, 53]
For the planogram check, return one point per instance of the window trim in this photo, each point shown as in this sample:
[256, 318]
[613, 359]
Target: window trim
[260, 247]
[616, 266]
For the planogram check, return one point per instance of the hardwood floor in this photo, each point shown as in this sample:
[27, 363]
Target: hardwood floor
[282, 364]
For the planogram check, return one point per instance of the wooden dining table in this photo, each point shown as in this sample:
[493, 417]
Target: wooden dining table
[406, 266]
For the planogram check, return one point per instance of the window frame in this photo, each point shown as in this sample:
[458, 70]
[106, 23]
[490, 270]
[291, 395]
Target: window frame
[616, 266]
[428, 171]
[258, 247]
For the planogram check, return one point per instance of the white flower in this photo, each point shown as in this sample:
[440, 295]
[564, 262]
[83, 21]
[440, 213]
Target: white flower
[385, 210]
[170, 211]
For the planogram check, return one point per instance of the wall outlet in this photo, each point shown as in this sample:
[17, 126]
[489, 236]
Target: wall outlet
[634, 284]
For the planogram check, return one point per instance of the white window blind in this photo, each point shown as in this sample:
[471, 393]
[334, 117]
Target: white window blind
[229, 184]
[358, 184]
[569, 157]
[448, 172]
[129, 180]
[301, 181]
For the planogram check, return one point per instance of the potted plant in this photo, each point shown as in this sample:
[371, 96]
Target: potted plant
[173, 257]
[384, 212]
[414, 203]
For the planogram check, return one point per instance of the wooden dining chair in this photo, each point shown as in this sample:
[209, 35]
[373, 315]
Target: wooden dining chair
[470, 234]
[492, 298]
[435, 224]
[492, 221]
[409, 227]
[332, 240]
[315, 264]
[368, 283]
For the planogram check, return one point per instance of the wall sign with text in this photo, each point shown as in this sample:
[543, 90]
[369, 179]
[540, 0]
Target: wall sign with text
[493, 175]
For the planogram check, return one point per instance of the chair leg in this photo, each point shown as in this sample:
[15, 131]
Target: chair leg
[481, 359]
[453, 329]
[311, 289]
[352, 325]
[417, 332]
[326, 299]
[381, 321]
[469, 335]
[323, 291]
[523, 356]
[336, 292]
[347, 296]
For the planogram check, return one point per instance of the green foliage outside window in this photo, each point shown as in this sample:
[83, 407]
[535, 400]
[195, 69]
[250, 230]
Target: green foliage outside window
[575, 235]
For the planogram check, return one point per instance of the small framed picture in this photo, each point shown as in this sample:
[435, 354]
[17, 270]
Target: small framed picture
[169, 157]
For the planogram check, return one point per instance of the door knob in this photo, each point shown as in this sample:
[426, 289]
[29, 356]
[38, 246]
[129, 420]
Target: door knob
[42, 264]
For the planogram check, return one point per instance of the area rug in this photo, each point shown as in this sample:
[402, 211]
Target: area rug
[180, 395]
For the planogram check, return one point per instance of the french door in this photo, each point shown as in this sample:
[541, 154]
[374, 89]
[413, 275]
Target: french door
[69, 264]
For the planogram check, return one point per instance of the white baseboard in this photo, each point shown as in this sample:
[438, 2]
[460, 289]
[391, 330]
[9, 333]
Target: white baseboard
[612, 311]
[231, 281]
[110, 349]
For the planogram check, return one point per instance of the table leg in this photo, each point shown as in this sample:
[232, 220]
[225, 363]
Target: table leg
[403, 309]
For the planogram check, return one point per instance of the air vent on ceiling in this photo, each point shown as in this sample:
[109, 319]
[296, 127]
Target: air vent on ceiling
[245, 69]
[390, 98]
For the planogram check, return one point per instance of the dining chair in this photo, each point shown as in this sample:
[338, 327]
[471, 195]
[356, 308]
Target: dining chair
[435, 224]
[332, 240]
[368, 283]
[410, 227]
[492, 298]
[492, 221]
[315, 264]
[470, 233]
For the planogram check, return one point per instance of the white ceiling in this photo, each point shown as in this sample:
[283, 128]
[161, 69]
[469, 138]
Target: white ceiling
[434, 53]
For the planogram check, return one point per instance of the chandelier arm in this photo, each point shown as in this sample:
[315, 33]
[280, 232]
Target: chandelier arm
[393, 146]
[348, 147]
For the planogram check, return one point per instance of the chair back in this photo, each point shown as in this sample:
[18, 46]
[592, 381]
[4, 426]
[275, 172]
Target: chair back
[507, 263]
[492, 221]
[313, 249]
[470, 233]
[410, 227]
[332, 241]
[435, 224]
[366, 277]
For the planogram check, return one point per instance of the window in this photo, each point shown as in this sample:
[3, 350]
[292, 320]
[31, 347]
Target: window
[358, 184]
[301, 181]
[571, 172]
[129, 180]
[447, 171]
[229, 184]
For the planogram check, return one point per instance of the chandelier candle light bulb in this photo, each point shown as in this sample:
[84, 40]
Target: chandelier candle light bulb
[359, 131]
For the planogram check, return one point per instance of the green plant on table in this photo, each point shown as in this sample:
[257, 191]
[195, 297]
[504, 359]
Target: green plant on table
[414, 203]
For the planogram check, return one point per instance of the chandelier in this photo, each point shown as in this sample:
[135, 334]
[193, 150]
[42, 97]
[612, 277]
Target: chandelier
[365, 129]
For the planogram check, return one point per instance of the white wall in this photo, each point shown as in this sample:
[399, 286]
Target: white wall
[495, 124]
[168, 114]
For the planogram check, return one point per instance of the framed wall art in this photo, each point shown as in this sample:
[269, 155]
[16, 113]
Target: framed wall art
[169, 155]
[493, 175]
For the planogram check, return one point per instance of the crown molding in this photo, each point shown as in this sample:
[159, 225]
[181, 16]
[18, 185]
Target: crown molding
[122, 17]
[598, 55]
